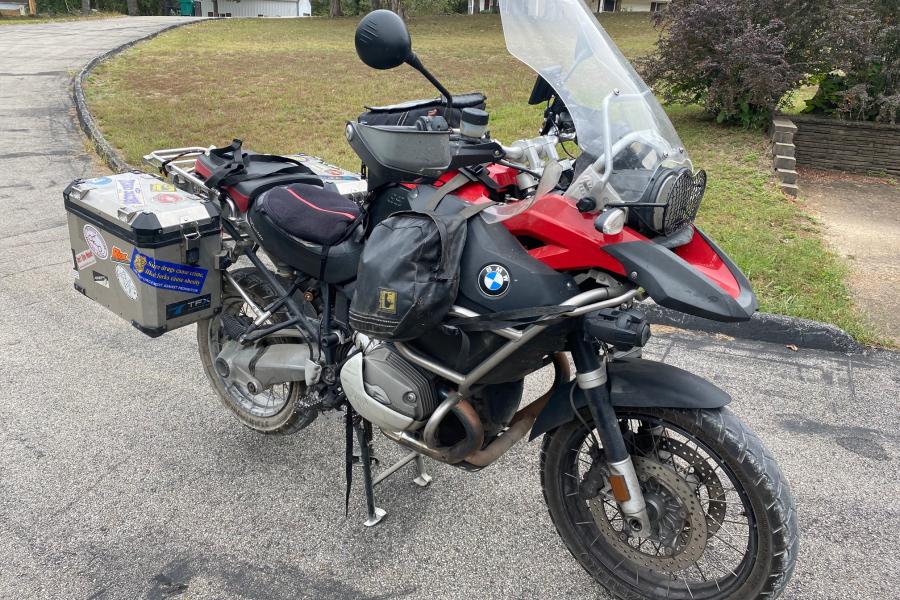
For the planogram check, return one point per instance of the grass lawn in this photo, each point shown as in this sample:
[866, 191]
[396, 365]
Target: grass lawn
[55, 18]
[289, 85]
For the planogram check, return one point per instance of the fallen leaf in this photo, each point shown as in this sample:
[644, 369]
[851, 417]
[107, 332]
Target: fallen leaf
[792, 347]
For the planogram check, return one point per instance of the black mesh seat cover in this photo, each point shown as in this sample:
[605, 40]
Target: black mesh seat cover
[301, 224]
[309, 212]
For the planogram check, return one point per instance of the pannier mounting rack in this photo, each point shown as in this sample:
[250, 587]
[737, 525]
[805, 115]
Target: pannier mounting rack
[179, 168]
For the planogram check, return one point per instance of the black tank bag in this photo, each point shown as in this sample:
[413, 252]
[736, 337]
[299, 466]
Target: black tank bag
[409, 270]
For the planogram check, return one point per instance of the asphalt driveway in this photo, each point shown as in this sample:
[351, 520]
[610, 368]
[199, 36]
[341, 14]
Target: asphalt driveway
[121, 476]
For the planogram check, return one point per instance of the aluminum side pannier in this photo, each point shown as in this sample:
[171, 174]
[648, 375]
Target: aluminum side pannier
[145, 249]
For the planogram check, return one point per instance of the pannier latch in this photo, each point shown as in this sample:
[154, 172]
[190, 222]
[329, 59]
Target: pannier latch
[190, 243]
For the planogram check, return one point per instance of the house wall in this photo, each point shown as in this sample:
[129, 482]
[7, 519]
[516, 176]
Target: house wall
[632, 5]
[483, 5]
[254, 8]
[11, 8]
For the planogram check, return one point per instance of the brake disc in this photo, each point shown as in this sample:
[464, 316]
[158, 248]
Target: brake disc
[682, 510]
[701, 475]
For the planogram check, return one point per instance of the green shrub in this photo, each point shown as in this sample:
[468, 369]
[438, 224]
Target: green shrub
[865, 84]
[740, 59]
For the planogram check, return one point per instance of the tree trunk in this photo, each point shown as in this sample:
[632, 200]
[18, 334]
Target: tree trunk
[132, 7]
[335, 10]
[85, 6]
[397, 7]
[215, 8]
[376, 4]
[476, 7]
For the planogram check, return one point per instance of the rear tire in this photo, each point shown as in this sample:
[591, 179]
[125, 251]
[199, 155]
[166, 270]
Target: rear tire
[760, 492]
[278, 410]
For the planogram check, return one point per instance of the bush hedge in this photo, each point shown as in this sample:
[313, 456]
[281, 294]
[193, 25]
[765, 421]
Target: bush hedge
[740, 59]
[865, 84]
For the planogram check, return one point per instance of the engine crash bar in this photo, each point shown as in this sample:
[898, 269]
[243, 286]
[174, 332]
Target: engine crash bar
[581, 304]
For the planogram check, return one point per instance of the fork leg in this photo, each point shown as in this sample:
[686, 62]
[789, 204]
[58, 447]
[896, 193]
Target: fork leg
[592, 379]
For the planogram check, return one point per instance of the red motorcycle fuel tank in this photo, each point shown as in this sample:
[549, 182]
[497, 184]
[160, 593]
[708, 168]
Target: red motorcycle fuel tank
[697, 278]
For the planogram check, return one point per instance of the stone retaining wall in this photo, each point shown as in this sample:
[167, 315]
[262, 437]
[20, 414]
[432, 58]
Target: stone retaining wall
[847, 145]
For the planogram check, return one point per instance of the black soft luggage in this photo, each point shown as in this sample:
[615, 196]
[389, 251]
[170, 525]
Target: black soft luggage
[408, 275]
[406, 113]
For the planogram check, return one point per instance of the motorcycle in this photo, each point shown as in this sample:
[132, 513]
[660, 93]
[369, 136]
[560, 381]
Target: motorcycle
[654, 485]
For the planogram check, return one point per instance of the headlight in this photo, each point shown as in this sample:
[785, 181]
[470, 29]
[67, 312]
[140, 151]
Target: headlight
[682, 200]
[670, 203]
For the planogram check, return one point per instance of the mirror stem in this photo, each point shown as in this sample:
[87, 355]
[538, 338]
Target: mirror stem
[416, 64]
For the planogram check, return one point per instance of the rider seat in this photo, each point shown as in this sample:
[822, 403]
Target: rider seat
[309, 228]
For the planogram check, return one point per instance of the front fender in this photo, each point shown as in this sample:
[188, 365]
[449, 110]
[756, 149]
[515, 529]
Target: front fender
[637, 383]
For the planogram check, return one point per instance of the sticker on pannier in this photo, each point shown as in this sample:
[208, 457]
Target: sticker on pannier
[166, 275]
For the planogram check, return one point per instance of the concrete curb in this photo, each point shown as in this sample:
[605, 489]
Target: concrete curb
[110, 155]
[764, 327]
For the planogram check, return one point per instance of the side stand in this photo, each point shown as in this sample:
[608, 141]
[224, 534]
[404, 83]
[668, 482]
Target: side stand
[375, 514]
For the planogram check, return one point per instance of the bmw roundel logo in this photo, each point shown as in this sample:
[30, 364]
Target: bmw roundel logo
[493, 280]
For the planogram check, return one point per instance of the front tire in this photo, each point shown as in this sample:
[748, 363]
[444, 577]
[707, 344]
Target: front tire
[741, 540]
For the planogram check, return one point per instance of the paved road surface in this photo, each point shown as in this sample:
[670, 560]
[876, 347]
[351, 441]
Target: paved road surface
[868, 240]
[121, 477]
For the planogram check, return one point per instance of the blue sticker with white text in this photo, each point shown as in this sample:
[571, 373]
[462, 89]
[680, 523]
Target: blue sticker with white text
[99, 181]
[166, 275]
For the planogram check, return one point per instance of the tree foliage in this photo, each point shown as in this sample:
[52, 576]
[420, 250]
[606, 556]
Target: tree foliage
[740, 59]
[865, 81]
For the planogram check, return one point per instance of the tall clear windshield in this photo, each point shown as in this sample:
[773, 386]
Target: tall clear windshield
[618, 121]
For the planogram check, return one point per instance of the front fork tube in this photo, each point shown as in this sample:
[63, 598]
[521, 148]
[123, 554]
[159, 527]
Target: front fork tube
[592, 379]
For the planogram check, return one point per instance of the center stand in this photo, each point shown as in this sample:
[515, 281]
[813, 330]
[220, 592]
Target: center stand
[363, 431]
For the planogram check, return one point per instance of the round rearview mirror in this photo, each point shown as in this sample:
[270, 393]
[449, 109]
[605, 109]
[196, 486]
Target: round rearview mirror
[382, 40]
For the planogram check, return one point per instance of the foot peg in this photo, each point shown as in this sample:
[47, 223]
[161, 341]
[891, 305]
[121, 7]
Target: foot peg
[234, 325]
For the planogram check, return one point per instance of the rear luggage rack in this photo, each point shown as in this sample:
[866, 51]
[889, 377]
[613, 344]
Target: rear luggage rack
[177, 164]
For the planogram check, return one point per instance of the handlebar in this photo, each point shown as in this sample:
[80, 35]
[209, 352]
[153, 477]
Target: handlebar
[532, 151]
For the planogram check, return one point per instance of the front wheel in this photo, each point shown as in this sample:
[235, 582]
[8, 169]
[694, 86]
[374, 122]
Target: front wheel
[723, 523]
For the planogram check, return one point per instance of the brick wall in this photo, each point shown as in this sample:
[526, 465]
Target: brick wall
[847, 145]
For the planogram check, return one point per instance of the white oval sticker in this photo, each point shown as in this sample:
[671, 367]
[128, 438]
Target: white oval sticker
[126, 282]
[96, 242]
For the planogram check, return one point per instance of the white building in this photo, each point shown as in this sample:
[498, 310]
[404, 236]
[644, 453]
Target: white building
[482, 6]
[11, 8]
[256, 8]
[598, 6]
[626, 5]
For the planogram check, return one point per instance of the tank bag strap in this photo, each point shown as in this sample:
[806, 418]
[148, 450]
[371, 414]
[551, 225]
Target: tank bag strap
[473, 209]
[508, 318]
[451, 185]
